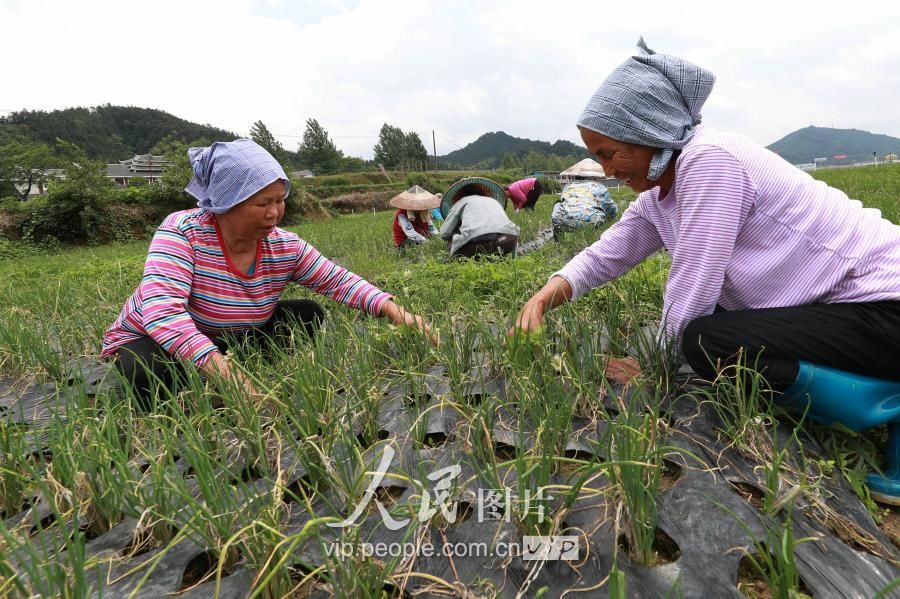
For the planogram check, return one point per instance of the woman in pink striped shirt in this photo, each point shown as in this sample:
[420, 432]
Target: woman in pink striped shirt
[766, 261]
[221, 268]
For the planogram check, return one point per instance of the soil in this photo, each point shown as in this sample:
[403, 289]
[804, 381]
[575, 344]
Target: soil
[750, 583]
[665, 549]
[753, 494]
[202, 567]
[754, 586]
[672, 472]
[890, 525]
[144, 541]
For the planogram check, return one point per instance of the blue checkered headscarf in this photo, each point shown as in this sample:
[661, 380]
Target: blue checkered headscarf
[653, 100]
[228, 172]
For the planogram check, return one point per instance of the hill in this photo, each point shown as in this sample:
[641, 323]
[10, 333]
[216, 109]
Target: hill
[488, 150]
[109, 133]
[809, 143]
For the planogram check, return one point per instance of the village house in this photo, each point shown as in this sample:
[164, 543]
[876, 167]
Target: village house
[145, 166]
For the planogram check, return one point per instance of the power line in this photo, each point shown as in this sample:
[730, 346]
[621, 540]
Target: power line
[449, 141]
[331, 136]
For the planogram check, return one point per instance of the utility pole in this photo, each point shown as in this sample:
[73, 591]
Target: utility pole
[434, 148]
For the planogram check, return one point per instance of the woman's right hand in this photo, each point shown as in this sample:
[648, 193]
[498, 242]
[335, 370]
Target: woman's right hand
[530, 319]
[217, 366]
[402, 317]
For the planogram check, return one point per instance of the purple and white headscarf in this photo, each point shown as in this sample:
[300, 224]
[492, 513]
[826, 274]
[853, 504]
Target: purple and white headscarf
[228, 172]
[652, 100]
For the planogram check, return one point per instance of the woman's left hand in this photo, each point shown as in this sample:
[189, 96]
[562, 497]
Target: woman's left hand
[402, 317]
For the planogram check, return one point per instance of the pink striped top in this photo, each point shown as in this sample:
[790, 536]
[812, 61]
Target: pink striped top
[746, 230]
[191, 291]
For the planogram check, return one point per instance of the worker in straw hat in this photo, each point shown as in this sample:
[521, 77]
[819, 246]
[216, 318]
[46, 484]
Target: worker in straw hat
[412, 221]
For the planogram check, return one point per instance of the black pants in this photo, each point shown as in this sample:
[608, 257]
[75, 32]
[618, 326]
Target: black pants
[486, 245]
[862, 338]
[147, 365]
[533, 195]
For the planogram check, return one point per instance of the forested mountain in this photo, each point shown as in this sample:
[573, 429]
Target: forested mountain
[809, 143]
[109, 133]
[489, 150]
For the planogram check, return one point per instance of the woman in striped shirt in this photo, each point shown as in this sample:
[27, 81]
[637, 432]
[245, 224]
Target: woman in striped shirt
[221, 268]
[765, 259]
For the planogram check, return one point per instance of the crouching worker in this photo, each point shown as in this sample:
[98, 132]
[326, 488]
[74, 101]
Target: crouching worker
[582, 205]
[216, 273]
[477, 225]
[767, 263]
[524, 193]
[412, 221]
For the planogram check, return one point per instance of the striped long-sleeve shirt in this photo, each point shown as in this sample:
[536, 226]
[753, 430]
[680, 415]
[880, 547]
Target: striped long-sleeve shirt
[746, 230]
[191, 292]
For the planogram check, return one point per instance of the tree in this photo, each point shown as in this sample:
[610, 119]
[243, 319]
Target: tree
[414, 151]
[317, 152]
[75, 210]
[398, 149]
[534, 160]
[23, 165]
[170, 187]
[261, 135]
[391, 146]
[83, 175]
[352, 164]
[510, 161]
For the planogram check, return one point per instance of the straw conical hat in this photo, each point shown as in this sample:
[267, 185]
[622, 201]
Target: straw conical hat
[415, 198]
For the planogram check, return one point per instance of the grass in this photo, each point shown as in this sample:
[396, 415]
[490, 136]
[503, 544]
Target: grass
[255, 480]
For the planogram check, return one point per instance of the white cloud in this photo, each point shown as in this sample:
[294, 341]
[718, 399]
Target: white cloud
[461, 67]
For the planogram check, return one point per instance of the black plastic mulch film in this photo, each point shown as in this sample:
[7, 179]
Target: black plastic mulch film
[691, 513]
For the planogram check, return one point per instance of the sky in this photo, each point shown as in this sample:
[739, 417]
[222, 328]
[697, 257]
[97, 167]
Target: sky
[459, 68]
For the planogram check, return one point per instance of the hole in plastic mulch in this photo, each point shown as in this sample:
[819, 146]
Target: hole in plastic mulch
[464, 511]
[504, 451]
[672, 473]
[148, 539]
[417, 400]
[753, 584]
[298, 491]
[750, 492]
[665, 549]
[202, 567]
[434, 439]
[389, 495]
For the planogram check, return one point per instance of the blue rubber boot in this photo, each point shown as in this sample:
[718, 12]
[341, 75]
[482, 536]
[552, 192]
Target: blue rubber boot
[857, 402]
[885, 488]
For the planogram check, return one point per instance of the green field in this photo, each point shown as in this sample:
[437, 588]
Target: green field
[208, 467]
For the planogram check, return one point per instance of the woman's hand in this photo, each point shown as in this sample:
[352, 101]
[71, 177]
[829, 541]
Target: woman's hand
[217, 367]
[531, 317]
[404, 318]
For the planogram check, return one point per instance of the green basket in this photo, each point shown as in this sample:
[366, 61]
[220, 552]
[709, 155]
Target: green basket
[486, 187]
